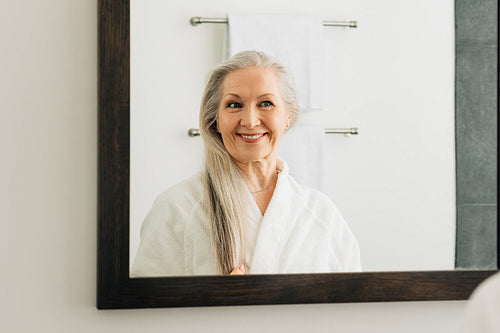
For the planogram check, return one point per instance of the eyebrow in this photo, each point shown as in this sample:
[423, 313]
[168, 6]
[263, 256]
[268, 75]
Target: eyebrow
[231, 94]
[266, 95]
[258, 97]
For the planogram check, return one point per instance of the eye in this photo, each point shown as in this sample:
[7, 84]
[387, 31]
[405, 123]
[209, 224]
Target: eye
[266, 104]
[234, 105]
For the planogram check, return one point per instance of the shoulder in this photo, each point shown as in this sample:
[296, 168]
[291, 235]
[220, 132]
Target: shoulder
[183, 195]
[308, 197]
[318, 214]
[172, 210]
[174, 219]
[313, 208]
[173, 206]
[313, 200]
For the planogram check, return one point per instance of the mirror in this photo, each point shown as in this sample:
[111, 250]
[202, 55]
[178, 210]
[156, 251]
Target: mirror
[117, 290]
[405, 152]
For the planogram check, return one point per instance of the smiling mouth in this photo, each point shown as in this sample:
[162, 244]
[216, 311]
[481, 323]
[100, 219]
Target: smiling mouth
[252, 137]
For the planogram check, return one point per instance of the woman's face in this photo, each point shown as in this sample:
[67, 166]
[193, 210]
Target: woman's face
[252, 115]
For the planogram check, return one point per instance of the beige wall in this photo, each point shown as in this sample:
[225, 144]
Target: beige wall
[48, 145]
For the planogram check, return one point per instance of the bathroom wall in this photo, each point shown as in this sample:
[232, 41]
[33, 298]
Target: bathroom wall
[48, 196]
[476, 133]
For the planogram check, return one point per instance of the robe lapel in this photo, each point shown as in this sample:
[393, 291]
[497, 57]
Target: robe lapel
[272, 229]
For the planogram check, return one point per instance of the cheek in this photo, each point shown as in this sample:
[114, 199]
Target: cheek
[282, 122]
[278, 128]
[225, 124]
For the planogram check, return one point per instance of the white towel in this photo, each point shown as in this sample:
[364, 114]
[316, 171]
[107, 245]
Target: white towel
[296, 40]
[302, 147]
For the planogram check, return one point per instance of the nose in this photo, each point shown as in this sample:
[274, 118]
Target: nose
[250, 117]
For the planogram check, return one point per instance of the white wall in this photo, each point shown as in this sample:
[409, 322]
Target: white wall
[48, 145]
[393, 77]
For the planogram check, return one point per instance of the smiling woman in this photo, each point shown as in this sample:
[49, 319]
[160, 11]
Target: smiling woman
[244, 213]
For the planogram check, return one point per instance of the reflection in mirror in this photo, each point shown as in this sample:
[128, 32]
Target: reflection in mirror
[393, 77]
[245, 213]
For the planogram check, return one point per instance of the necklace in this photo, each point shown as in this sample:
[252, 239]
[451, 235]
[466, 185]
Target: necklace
[272, 183]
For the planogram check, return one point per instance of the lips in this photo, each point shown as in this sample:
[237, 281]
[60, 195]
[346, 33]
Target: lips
[254, 136]
[251, 137]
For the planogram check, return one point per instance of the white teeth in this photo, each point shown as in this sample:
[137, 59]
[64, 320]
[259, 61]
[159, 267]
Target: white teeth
[252, 136]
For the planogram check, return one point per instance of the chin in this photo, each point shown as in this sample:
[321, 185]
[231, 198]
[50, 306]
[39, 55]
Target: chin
[250, 158]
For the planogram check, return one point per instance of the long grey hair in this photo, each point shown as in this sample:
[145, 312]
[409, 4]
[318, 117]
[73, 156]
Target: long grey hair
[226, 199]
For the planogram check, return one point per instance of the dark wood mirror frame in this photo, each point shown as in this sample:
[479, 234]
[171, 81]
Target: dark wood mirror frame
[115, 290]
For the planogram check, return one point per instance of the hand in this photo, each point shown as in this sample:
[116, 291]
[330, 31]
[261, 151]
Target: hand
[240, 270]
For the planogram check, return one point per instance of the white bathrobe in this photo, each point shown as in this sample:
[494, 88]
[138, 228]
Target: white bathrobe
[301, 232]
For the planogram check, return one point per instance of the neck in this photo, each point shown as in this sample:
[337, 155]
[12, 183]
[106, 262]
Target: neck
[259, 175]
[269, 187]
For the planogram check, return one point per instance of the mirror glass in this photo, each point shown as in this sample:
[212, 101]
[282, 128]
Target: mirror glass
[403, 184]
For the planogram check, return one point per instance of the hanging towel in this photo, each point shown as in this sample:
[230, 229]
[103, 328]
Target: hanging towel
[296, 40]
[303, 149]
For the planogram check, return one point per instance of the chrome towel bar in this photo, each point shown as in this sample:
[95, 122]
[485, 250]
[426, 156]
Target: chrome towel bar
[199, 20]
[193, 132]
